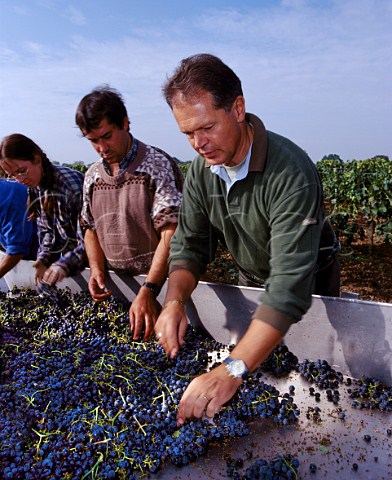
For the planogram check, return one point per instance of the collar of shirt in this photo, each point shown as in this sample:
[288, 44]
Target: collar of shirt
[126, 161]
[242, 171]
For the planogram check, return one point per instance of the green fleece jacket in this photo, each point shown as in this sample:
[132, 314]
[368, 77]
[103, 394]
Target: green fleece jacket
[270, 221]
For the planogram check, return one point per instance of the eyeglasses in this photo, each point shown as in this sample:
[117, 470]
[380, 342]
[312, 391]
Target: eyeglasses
[19, 177]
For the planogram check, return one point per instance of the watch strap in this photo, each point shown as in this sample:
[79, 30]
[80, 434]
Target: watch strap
[156, 289]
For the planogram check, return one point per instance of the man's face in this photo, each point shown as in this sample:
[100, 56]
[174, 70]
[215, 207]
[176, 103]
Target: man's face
[111, 142]
[215, 134]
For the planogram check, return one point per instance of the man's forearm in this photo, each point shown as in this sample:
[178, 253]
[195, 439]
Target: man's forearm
[159, 267]
[257, 343]
[180, 286]
[95, 255]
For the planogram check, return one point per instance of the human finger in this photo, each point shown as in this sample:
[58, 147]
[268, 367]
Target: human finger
[137, 323]
[51, 276]
[166, 330]
[99, 297]
[149, 322]
[213, 407]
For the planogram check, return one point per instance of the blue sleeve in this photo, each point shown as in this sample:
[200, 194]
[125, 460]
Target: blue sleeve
[16, 230]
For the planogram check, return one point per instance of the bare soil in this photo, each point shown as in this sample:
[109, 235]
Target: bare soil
[367, 273]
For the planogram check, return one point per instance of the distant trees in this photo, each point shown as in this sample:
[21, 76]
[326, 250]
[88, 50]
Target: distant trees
[78, 165]
[332, 157]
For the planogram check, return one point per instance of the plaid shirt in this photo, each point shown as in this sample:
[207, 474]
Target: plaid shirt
[60, 237]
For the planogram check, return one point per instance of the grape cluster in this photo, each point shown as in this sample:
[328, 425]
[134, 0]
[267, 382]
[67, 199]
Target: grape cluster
[280, 361]
[79, 398]
[281, 467]
[320, 373]
[371, 394]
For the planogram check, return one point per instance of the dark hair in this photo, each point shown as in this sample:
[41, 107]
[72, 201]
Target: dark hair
[19, 147]
[102, 102]
[203, 72]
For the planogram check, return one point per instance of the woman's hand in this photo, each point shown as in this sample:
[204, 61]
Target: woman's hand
[54, 274]
[40, 270]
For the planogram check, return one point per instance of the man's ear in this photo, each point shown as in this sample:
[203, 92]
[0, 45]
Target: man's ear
[126, 124]
[239, 108]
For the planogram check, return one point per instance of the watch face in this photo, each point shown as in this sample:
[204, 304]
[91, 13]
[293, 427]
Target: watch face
[237, 367]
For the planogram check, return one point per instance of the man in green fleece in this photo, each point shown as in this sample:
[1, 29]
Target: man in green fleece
[260, 195]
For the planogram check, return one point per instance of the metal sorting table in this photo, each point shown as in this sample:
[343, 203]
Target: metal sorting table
[354, 336]
[334, 445]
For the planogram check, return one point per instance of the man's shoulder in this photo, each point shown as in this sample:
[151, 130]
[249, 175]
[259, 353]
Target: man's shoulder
[280, 140]
[68, 172]
[92, 169]
[284, 148]
[157, 159]
[152, 152]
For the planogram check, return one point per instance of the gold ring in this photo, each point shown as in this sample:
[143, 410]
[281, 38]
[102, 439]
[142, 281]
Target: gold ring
[205, 397]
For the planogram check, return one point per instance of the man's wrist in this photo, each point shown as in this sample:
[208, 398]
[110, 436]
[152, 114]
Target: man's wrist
[62, 267]
[236, 368]
[174, 302]
[154, 288]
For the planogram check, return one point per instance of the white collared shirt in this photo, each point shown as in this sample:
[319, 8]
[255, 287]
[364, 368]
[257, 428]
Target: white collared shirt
[230, 175]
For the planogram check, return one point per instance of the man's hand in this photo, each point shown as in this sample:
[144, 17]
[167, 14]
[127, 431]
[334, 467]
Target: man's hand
[143, 312]
[213, 389]
[207, 393]
[54, 274]
[171, 327]
[97, 287]
[40, 270]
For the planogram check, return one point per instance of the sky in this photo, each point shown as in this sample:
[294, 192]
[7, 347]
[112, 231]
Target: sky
[316, 71]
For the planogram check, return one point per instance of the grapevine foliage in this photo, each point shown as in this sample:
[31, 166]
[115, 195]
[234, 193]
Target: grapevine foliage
[359, 195]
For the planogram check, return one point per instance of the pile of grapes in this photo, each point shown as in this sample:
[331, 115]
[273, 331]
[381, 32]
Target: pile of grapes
[80, 399]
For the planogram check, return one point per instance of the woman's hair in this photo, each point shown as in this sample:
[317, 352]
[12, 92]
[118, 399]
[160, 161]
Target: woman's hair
[102, 102]
[203, 73]
[19, 147]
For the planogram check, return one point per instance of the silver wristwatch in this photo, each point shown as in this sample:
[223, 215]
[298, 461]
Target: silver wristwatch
[236, 368]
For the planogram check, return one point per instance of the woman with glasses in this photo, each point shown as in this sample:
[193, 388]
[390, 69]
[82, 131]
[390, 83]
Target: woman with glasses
[54, 201]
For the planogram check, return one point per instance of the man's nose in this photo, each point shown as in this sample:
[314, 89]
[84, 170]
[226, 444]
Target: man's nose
[200, 140]
[102, 146]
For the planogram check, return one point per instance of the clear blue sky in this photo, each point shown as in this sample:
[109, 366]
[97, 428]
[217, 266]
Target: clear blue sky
[316, 71]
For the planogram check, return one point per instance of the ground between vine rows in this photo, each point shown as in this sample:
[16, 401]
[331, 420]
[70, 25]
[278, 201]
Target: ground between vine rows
[369, 275]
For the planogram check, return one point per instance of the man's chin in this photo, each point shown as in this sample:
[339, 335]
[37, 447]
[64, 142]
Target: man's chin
[214, 160]
[110, 160]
